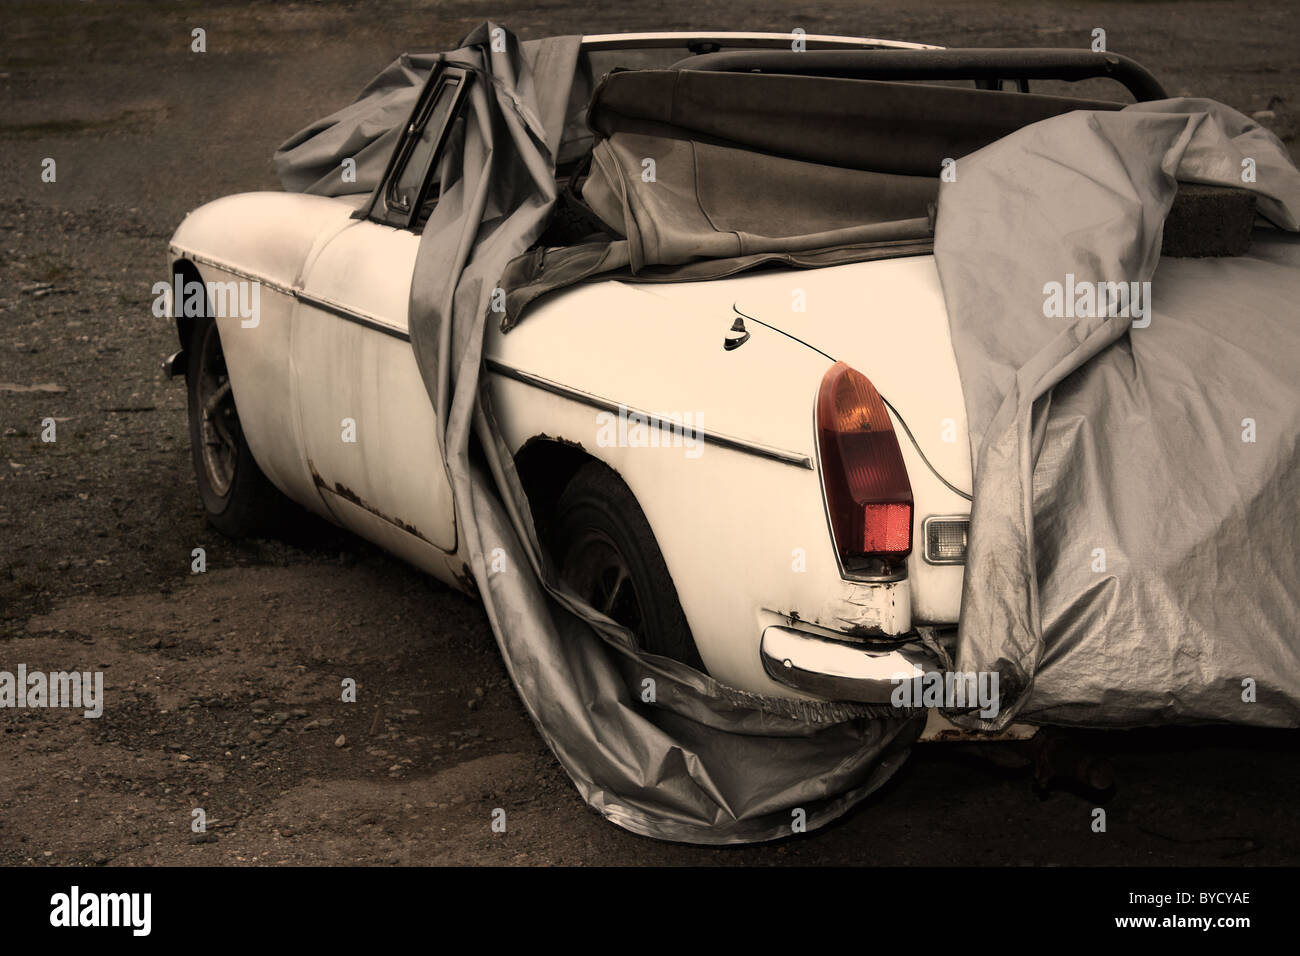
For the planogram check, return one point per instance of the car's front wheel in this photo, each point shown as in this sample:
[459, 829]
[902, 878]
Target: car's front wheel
[238, 499]
[609, 556]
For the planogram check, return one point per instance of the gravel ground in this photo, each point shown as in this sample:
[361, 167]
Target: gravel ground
[224, 686]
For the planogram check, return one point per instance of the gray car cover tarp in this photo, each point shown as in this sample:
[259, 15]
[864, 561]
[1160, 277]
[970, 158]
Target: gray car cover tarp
[702, 763]
[1133, 544]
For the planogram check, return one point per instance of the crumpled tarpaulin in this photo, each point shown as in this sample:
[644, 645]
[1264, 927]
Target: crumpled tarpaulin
[1132, 557]
[703, 763]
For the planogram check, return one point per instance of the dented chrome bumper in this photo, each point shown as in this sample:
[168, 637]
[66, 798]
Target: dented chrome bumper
[839, 670]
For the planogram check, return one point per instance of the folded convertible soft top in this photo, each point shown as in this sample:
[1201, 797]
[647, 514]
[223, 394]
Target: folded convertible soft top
[695, 164]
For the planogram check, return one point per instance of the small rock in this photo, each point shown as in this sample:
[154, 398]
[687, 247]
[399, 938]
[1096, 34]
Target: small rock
[340, 741]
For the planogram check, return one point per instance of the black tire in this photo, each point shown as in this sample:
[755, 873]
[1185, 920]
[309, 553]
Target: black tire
[608, 554]
[238, 499]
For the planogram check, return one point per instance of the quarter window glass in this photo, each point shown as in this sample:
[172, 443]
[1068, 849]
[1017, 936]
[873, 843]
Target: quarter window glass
[404, 192]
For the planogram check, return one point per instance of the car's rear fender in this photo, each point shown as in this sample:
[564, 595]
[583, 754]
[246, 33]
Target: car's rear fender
[737, 507]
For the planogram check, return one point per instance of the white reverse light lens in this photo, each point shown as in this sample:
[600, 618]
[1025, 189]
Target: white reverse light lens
[945, 539]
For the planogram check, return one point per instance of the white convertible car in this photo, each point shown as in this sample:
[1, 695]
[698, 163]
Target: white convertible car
[785, 450]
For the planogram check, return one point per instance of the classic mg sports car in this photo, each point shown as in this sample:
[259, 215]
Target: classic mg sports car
[784, 450]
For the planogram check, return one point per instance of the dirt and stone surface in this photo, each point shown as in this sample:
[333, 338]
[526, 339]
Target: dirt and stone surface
[223, 688]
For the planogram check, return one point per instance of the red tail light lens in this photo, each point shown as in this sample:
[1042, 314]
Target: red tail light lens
[867, 491]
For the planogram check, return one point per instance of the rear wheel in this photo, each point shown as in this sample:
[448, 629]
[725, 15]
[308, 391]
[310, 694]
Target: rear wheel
[237, 498]
[608, 555]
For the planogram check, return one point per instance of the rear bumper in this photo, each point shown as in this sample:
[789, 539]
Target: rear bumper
[837, 670]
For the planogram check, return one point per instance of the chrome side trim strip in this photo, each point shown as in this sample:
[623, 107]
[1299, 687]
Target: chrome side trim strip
[333, 308]
[343, 312]
[605, 405]
[527, 378]
[233, 270]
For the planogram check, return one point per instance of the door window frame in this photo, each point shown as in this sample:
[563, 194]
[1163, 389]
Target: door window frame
[443, 80]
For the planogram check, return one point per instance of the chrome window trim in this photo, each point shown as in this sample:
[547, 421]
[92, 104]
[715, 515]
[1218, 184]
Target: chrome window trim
[377, 207]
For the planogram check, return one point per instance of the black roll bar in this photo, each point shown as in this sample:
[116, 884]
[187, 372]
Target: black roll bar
[982, 65]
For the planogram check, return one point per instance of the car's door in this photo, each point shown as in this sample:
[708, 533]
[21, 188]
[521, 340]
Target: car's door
[368, 425]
